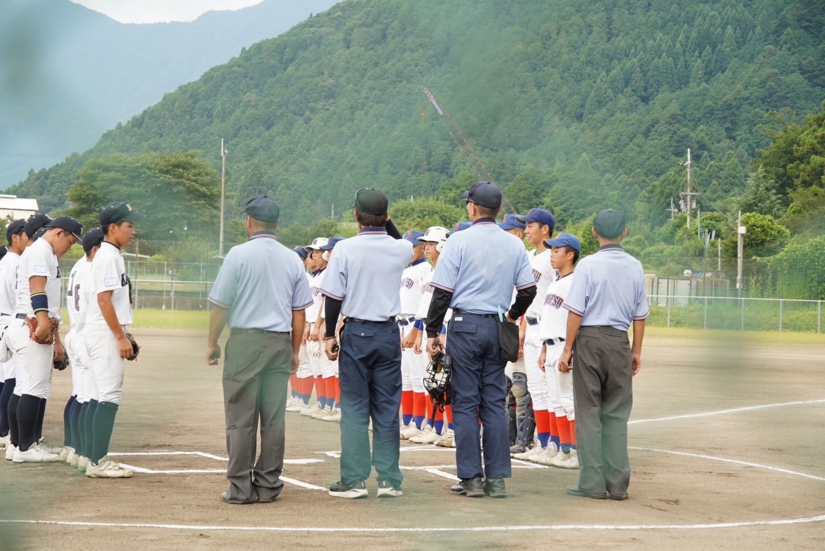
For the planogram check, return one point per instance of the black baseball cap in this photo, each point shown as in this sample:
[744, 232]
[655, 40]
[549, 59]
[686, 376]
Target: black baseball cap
[263, 209]
[14, 228]
[67, 223]
[610, 223]
[92, 239]
[34, 223]
[371, 201]
[119, 211]
[485, 194]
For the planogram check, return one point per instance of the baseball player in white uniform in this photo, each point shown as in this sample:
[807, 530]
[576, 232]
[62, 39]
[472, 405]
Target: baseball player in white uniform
[83, 387]
[18, 241]
[414, 410]
[109, 313]
[433, 239]
[295, 403]
[33, 337]
[565, 253]
[539, 225]
[329, 383]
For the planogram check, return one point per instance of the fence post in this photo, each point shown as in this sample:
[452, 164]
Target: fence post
[819, 317]
[780, 315]
[668, 307]
[706, 312]
[743, 313]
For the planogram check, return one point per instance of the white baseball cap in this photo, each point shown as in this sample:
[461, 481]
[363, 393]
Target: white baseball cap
[435, 234]
[317, 243]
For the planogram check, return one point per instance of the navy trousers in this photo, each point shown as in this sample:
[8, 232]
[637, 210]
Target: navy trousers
[369, 370]
[479, 392]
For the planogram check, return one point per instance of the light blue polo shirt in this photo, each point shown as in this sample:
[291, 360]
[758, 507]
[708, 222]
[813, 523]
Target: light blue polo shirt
[609, 289]
[261, 283]
[365, 272]
[480, 266]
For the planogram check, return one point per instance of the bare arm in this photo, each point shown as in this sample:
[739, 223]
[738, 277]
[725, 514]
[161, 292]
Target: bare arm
[574, 322]
[299, 319]
[638, 337]
[217, 321]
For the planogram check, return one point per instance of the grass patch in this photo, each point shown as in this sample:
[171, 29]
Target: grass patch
[168, 319]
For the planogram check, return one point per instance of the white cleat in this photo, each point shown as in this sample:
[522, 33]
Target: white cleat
[410, 431]
[294, 405]
[65, 452]
[447, 439]
[73, 460]
[427, 436]
[10, 451]
[323, 413]
[35, 454]
[107, 469]
[82, 463]
[532, 452]
[546, 457]
[309, 411]
[70, 457]
[334, 417]
[572, 461]
[46, 448]
[5, 441]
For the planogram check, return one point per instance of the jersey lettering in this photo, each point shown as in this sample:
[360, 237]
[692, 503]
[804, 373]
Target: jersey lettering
[554, 300]
[407, 282]
[537, 275]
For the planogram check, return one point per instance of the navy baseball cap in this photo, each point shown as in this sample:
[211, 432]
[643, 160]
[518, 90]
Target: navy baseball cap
[301, 252]
[541, 216]
[564, 240]
[34, 223]
[485, 194]
[461, 226]
[92, 239]
[610, 223]
[14, 228]
[118, 211]
[332, 242]
[66, 223]
[371, 201]
[510, 222]
[412, 236]
[263, 209]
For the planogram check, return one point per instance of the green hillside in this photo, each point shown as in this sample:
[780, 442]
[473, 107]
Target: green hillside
[582, 104]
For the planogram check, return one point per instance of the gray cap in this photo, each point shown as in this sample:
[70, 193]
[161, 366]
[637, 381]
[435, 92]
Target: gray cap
[610, 223]
[263, 209]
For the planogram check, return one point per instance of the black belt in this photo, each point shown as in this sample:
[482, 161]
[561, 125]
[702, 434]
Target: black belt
[387, 322]
[406, 321]
[551, 342]
[466, 313]
[256, 332]
[532, 321]
[21, 316]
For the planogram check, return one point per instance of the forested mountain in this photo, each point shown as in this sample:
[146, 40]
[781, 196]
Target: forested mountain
[581, 104]
[67, 73]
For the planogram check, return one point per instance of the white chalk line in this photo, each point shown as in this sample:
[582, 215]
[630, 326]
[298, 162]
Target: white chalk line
[733, 461]
[725, 411]
[438, 472]
[206, 455]
[313, 529]
[408, 468]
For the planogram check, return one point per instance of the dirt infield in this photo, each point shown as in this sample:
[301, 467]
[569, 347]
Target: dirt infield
[752, 478]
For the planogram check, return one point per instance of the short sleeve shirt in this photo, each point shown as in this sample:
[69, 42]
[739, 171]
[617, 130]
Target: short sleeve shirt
[261, 283]
[108, 274]
[9, 267]
[480, 266]
[609, 290]
[554, 315]
[365, 273]
[39, 260]
[315, 281]
[411, 281]
[76, 292]
[544, 274]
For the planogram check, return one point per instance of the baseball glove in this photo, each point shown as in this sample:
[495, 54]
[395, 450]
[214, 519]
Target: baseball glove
[135, 347]
[49, 339]
[61, 365]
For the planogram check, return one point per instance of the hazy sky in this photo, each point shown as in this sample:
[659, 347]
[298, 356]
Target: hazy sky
[154, 11]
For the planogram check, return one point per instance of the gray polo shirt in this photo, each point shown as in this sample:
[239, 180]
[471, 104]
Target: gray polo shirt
[261, 283]
[609, 289]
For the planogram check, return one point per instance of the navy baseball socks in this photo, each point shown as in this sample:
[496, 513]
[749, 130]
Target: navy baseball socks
[5, 396]
[28, 412]
[102, 427]
[67, 421]
[11, 412]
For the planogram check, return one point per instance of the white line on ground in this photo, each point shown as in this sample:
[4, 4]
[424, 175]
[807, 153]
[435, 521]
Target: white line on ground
[302, 484]
[725, 411]
[734, 461]
[208, 456]
[438, 472]
[419, 529]
[404, 467]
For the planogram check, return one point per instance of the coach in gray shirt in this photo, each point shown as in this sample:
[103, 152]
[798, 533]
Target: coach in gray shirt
[607, 295]
[261, 292]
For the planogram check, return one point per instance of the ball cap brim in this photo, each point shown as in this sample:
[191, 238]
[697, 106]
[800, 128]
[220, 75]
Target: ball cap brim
[564, 240]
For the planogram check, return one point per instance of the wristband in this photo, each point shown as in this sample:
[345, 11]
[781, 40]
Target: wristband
[419, 324]
[40, 302]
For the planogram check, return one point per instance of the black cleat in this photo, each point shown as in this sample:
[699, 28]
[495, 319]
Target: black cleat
[494, 487]
[472, 487]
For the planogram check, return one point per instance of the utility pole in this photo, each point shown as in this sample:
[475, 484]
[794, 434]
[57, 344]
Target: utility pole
[740, 252]
[223, 197]
[688, 195]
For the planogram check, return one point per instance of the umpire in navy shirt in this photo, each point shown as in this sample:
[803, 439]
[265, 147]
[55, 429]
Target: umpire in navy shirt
[261, 292]
[361, 282]
[476, 273]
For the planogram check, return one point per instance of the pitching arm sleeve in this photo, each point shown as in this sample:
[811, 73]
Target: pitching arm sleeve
[392, 230]
[438, 309]
[524, 298]
[332, 308]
